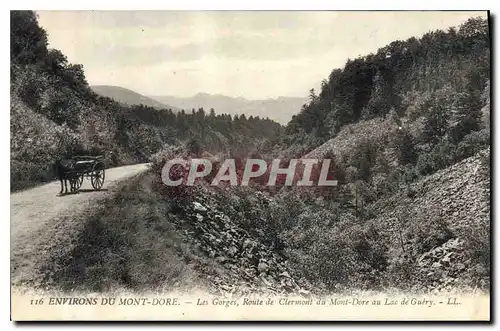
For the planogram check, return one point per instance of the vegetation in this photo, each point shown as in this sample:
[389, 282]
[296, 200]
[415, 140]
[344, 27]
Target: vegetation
[413, 108]
[425, 103]
[119, 247]
[389, 120]
[404, 127]
[54, 113]
[440, 78]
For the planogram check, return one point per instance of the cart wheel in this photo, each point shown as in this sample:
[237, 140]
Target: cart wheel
[97, 176]
[78, 182]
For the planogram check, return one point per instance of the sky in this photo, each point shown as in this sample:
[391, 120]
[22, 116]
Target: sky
[252, 54]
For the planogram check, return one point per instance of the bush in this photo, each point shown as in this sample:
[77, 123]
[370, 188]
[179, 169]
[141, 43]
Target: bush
[441, 156]
[338, 256]
[404, 144]
[425, 164]
[275, 217]
[472, 143]
[426, 233]
[477, 249]
[400, 177]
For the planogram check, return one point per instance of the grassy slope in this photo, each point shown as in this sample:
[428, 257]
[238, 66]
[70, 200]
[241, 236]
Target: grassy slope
[126, 242]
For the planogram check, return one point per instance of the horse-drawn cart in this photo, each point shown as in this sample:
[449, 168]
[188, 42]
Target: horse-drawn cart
[90, 167]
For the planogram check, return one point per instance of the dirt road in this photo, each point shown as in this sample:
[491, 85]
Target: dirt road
[40, 219]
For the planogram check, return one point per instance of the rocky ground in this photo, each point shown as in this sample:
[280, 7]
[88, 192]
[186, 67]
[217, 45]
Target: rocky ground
[244, 264]
[443, 265]
[452, 208]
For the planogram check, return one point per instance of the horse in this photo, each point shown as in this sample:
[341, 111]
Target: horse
[65, 171]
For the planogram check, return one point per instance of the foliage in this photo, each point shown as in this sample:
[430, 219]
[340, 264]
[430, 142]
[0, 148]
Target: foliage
[427, 233]
[425, 70]
[405, 146]
[44, 83]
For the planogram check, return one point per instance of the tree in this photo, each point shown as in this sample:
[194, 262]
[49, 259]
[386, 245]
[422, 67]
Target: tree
[28, 41]
[435, 124]
[64, 107]
[312, 96]
[75, 77]
[56, 61]
[474, 27]
[212, 113]
[364, 158]
[405, 147]
[468, 114]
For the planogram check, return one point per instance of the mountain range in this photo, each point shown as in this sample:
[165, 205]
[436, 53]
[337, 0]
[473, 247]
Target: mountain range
[128, 97]
[280, 109]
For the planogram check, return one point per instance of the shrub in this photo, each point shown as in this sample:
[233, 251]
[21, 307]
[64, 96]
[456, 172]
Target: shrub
[404, 144]
[440, 157]
[425, 233]
[472, 143]
[477, 249]
[332, 250]
[425, 164]
[436, 123]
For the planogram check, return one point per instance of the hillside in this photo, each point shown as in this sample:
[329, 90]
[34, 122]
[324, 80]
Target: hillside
[56, 114]
[441, 76]
[408, 131]
[128, 97]
[451, 210]
[409, 135]
[280, 109]
[243, 241]
[188, 244]
[442, 224]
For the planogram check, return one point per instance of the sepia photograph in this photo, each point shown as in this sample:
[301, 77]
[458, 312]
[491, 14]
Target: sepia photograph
[196, 165]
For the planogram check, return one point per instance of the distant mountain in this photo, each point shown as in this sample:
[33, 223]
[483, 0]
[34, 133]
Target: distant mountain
[128, 97]
[280, 110]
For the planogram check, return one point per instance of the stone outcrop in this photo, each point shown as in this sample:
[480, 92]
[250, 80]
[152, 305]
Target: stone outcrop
[244, 264]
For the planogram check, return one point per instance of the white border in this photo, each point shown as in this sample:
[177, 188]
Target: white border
[186, 5]
[254, 5]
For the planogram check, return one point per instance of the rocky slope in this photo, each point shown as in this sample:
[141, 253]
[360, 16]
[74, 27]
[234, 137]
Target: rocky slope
[377, 129]
[244, 265]
[451, 211]
[438, 228]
